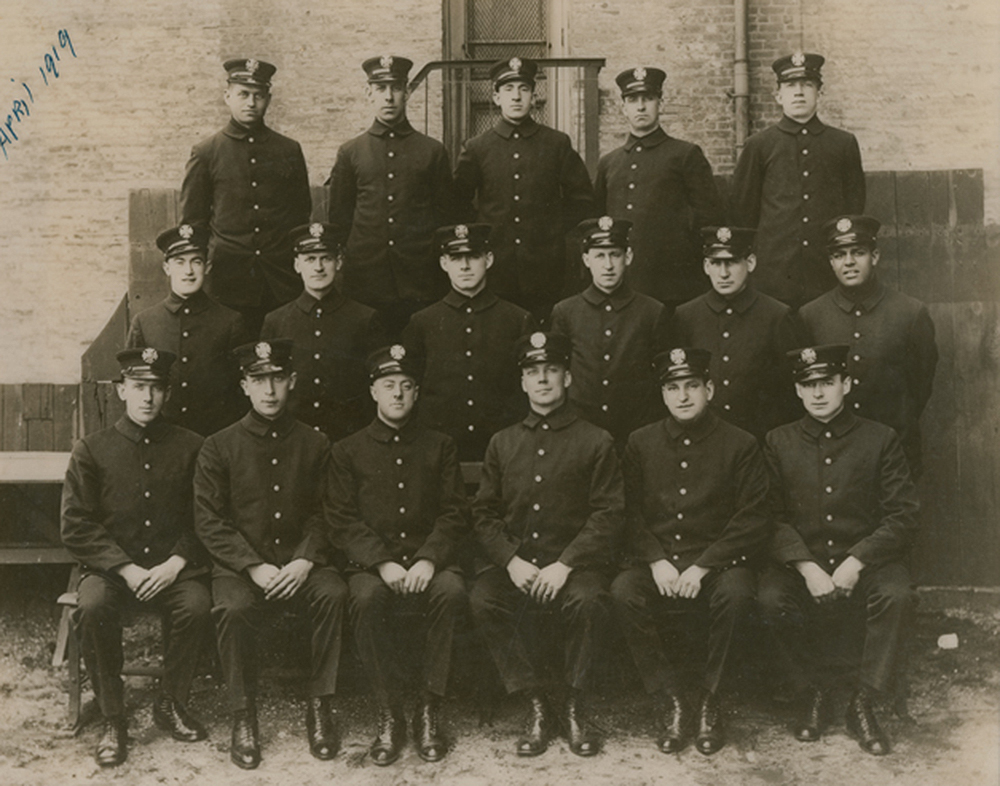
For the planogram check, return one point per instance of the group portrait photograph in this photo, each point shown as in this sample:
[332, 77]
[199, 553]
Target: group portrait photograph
[500, 391]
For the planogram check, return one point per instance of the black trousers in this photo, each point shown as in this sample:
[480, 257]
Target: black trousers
[517, 629]
[103, 600]
[810, 636]
[239, 610]
[726, 601]
[375, 611]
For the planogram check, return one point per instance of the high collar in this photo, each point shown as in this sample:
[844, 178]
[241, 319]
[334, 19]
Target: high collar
[506, 129]
[238, 131]
[133, 432]
[481, 301]
[696, 431]
[557, 419]
[740, 303]
[650, 140]
[331, 302]
[402, 128]
[381, 431]
[789, 126]
[618, 299]
[260, 426]
[840, 425]
[197, 302]
[867, 295]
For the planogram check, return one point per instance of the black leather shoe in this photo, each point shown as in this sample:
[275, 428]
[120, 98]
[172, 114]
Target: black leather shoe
[675, 722]
[322, 728]
[389, 737]
[430, 744]
[710, 737]
[583, 741]
[112, 746]
[810, 725]
[170, 715]
[244, 749]
[862, 723]
[536, 739]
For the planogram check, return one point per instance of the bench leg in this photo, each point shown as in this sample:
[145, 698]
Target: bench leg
[75, 679]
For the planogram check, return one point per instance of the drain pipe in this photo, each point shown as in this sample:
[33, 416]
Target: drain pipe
[741, 76]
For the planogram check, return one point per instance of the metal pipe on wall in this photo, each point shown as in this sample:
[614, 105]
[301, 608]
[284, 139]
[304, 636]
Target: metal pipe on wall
[741, 75]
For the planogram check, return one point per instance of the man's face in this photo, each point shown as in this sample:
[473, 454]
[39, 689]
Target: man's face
[247, 103]
[607, 266]
[729, 276]
[268, 393]
[687, 399]
[798, 98]
[642, 110]
[853, 265]
[514, 100]
[395, 395]
[467, 271]
[388, 100]
[824, 398]
[144, 399]
[186, 272]
[546, 384]
[318, 270]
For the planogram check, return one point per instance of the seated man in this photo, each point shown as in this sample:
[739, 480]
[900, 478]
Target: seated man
[695, 493]
[845, 511]
[396, 506]
[258, 509]
[126, 518]
[547, 518]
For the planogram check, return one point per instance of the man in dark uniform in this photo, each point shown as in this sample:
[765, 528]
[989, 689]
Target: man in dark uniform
[126, 518]
[893, 353]
[547, 517]
[615, 332]
[332, 335]
[791, 178]
[204, 385]
[395, 505]
[469, 389]
[747, 333]
[695, 493]
[845, 512]
[258, 510]
[249, 185]
[664, 186]
[390, 188]
[527, 182]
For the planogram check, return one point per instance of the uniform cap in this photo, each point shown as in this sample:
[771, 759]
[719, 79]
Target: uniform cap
[809, 363]
[727, 242]
[145, 363]
[316, 236]
[682, 363]
[463, 238]
[393, 359]
[851, 231]
[264, 357]
[248, 71]
[180, 240]
[798, 66]
[543, 347]
[604, 232]
[387, 69]
[641, 80]
[516, 69]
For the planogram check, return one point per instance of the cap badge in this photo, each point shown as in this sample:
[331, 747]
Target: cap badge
[724, 234]
[461, 231]
[808, 356]
[263, 350]
[185, 231]
[605, 223]
[397, 352]
[844, 225]
[149, 355]
[798, 59]
[316, 229]
[515, 64]
[678, 357]
[639, 73]
[252, 65]
[385, 61]
[537, 340]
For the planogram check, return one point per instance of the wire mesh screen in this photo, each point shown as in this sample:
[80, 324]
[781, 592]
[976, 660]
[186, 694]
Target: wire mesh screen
[505, 28]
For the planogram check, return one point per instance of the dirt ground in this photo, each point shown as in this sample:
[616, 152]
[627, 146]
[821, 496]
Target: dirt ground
[953, 738]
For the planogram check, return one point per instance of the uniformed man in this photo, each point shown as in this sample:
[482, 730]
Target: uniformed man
[615, 332]
[529, 184]
[469, 389]
[332, 335]
[695, 494]
[846, 516]
[746, 332]
[547, 518]
[258, 509]
[249, 185]
[126, 518]
[893, 353]
[792, 177]
[664, 186]
[395, 505]
[204, 385]
[390, 188]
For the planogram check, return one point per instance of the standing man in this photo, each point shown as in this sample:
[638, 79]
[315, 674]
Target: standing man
[664, 186]
[258, 509]
[395, 505]
[332, 335]
[204, 385]
[126, 518]
[846, 517]
[390, 188]
[791, 178]
[249, 185]
[466, 339]
[615, 332]
[530, 185]
[547, 518]
[695, 492]
[893, 353]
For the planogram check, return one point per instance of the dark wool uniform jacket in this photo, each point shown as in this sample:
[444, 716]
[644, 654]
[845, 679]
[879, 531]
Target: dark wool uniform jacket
[331, 339]
[470, 386]
[258, 490]
[205, 393]
[696, 494]
[396, 495]
[551, 490]
[529, 183]
[390, 188]
[615, 338]
[789, 180]
[128, 498]
[838, 489]
[664, 186]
